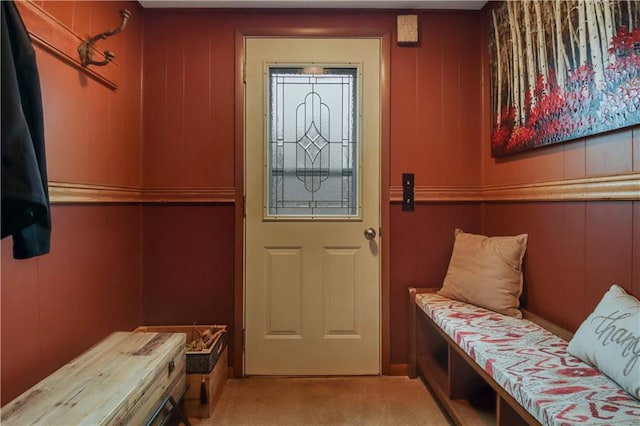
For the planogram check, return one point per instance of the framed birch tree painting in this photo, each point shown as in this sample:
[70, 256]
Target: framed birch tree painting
[561, 70]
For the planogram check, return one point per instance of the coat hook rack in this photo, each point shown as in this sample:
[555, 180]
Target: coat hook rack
[86, 47]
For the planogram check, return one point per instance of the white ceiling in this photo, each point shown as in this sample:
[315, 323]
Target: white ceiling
[318, 4]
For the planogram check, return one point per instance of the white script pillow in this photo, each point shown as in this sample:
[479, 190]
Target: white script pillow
[609, 339]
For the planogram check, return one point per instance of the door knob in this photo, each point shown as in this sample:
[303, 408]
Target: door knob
[369, 233]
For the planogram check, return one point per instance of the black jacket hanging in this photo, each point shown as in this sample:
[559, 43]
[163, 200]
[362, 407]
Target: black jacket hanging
[25, 196]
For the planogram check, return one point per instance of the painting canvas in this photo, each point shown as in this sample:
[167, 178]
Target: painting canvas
[561, 70]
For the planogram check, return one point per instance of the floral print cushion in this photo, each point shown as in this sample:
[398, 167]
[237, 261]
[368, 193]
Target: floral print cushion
[533, 366]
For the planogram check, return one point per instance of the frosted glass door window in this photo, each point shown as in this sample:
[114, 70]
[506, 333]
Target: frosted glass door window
[312, 161]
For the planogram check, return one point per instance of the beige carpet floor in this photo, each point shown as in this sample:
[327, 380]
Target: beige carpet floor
[326, 401]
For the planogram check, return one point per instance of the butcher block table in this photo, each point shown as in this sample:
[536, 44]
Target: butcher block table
[125, 379]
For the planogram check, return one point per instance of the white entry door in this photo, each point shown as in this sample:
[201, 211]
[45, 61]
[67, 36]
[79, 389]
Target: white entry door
[312, 187]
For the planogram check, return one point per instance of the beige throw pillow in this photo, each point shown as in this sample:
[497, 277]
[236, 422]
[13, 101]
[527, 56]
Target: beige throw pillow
[609, 339]
[486, 271]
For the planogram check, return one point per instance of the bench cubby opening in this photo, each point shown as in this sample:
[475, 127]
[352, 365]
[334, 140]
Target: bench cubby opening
[465, 395]
[507, 416]
[433, 355]
[468, 394]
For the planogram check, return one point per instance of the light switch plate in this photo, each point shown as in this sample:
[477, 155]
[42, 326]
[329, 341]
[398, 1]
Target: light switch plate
[408, 193]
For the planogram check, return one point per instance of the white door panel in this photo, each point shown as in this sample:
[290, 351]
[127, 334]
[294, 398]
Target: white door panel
[312, 280]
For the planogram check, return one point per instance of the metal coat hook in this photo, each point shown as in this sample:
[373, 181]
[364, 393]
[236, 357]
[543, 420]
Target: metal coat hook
[86, 47]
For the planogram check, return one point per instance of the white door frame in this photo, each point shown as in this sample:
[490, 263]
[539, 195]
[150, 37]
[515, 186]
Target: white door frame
[385, 39]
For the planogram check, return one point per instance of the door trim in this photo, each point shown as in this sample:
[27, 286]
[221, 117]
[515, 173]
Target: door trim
[384, 35]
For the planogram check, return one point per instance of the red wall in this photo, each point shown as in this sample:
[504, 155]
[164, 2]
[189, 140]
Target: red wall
[188, 265]
[438, 131]
[435, 102]
[421, 244]
[93, 132]
[56, 306]
[435, 116]
[116, 266]
[189, 142]
[576, 250]
[189, 93]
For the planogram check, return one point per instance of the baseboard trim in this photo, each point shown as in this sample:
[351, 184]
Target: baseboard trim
[399, 370]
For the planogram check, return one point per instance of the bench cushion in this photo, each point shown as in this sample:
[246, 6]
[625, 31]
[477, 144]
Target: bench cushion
[532, 365]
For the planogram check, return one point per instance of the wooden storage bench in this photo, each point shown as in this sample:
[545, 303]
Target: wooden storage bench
[489, 369]
[124, 379]
[461, 386]
[207, 368]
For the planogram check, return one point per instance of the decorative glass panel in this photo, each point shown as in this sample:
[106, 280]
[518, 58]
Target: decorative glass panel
[312, 160]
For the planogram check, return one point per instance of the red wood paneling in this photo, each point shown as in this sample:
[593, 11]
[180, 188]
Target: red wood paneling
[404, 101]
[609, 236]
[635, 252]
[92, 132]
[574, 273]
[434, 124]
[64, 109]
[421, 245]
[189, 103]
[544, 261]
[610, 153]
[576, 250]
[439, 131]
[574, 163]
[188, 264]
[574, 253]
[189, 94]
[189, 133]
[636, 149]
[61, 11]
[82, 18]
[435, 106]
[188, 117]
[19, 325]
[58, 305]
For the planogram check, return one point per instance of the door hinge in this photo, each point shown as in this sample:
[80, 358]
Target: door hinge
[380, 232]
[244, 339]
[244, 206]
[244, 72]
